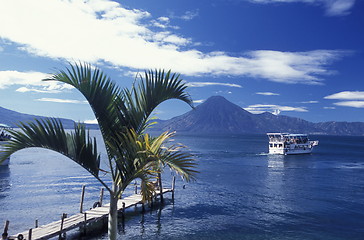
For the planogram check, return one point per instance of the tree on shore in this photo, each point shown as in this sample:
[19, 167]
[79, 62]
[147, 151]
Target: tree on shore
[123, 116]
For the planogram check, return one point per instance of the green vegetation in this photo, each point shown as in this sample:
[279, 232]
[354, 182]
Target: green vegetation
[123, 116]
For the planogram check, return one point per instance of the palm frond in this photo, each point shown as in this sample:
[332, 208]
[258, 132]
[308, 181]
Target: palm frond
[103, 95]
[182, 162]
[132, 162]
[153, 89]
[147, 187]
[162, 153]
[50, 134]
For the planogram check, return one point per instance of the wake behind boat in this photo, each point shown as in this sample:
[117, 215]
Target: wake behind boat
[288, 144]
[4, 138]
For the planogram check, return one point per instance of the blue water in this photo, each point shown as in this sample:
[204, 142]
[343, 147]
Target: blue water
[241, 192]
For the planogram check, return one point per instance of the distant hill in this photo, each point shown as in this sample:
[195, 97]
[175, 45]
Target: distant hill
[219, 116]
[12, 118]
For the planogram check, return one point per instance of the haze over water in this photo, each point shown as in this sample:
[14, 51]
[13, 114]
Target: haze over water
[241, 192]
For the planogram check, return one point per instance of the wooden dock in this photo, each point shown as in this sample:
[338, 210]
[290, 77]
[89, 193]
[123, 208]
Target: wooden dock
[57, 228]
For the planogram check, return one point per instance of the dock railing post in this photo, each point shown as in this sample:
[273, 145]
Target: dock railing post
[64, 215]
[160, 187]
[85, 224]
[6, 226]
[173, 186]
[30, 234]
[82, 198]
[123, 213]
[143, 208]
[101, 196]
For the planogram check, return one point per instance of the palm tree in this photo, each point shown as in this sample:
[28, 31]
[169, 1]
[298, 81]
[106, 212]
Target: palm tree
[162, 154]
[123, 116]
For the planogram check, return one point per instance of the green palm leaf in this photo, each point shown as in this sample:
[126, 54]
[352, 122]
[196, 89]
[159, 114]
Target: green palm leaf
[132, 162]
[171, 155]
[102, 94]
[155, 88]
[50, 134]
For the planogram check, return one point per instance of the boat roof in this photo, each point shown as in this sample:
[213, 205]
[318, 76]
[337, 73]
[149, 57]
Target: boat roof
[288, 134]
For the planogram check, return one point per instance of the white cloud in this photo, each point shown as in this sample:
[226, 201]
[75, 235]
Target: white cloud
[159, 24]
[347, 95]
[163, 19]
[170, 38]
[31, 81]
[267, 93]
[163, 23]
[275, 109]
[25, 89]
[52, 88]
[94, 121]
[355, 98]
[8, 78]
[205, 84]
[186, 16]
[289, 67]
[220, 92]
[329, 108]
[189, 15]
[338, 7]
[356, 104]
[57, 100]
[123, 38]
[332, 7]
[310, 102]
[199, 101]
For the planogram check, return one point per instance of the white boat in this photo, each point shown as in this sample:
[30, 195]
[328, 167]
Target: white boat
[287, 144]
[4, 138]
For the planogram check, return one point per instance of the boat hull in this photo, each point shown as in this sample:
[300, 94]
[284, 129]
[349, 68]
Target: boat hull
[289, 151]
[294, 152]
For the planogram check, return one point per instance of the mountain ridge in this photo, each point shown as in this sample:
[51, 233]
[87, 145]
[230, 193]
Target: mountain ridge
[219, 116]
[12, 119]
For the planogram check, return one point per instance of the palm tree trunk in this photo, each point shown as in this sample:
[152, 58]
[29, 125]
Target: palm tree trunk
[113, 217]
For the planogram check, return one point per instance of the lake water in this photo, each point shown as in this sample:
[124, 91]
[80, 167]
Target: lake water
[241, 192]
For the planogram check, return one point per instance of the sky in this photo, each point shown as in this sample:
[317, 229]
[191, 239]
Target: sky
[300, 58]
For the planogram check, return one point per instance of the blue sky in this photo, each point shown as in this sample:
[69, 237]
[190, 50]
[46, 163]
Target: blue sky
[301, 58]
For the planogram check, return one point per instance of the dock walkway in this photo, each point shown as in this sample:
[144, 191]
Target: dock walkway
[80, 219]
